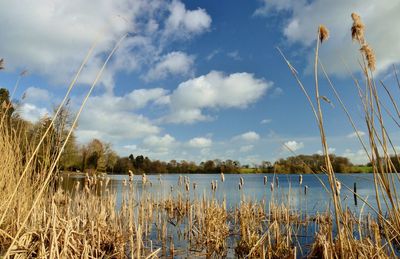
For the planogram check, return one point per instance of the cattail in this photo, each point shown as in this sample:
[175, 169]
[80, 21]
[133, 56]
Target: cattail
[187, 187]
[272, 186]
[124, 182]
[241, 180]
[1, 63]
[86, 179]
[144, 179]
[323, 33]
[172, 188]
[300, 179]
[357, 30]
[369, 56]
[180, 180]
[215, 185]
[222, 177]
[77, 185]
[305, 189]
[265, 180]
[338, 187]
[240, 185]
[194, 186]
[277, 181]
[130, 175]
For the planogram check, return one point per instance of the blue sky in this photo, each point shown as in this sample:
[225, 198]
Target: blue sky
[197, 80]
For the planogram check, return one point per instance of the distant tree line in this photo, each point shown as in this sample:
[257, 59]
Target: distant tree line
[307, 164]
[141, 164]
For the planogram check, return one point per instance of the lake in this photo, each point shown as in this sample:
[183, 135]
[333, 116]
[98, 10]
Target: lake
[286, 189]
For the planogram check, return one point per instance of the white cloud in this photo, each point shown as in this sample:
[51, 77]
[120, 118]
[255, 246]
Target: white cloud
[31, 112]
[265, 121]
[154, 141]
[174, 63]
[111, 126]
[114, 118]
[354, 134]
[200, 142]
[331, 150]
[130, 147]
[183, 23]
[212, 54]
[51, 38]
[248, 136]
[356, 157]
[234, 55]
[34, 94]
[305, 16]
[134, 100]
[246, 148]
[214, 90]
[293, 145]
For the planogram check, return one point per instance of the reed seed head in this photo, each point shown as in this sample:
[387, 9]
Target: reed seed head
[1, 63]
[357, 30]
[338, 187]
[369, 56]
[323, 33]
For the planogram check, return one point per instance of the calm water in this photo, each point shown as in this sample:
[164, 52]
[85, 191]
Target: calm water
[286, 189]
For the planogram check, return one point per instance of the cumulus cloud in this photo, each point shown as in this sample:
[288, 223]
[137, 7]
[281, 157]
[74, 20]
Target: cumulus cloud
[354, 134]
[164, 141]
[214, 90]
[31, 112]
[305, 16]
[293, 145]
[357, 157]
[183, 23]
[248, 136]
[51, 38]
[114, 118]
[200, 142]
[174, 63]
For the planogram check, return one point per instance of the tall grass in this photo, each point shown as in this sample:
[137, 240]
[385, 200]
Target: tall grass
[378, 151]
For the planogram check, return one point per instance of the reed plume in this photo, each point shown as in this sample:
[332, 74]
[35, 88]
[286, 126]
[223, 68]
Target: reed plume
[323, 33]
[369, 56]
[357, 30]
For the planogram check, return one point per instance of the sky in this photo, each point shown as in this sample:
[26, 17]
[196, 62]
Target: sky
[198, 80]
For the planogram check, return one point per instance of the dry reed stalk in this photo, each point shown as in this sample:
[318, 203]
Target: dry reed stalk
[54, 163]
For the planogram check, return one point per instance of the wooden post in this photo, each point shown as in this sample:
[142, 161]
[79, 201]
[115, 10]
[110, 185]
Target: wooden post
[355, 193]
